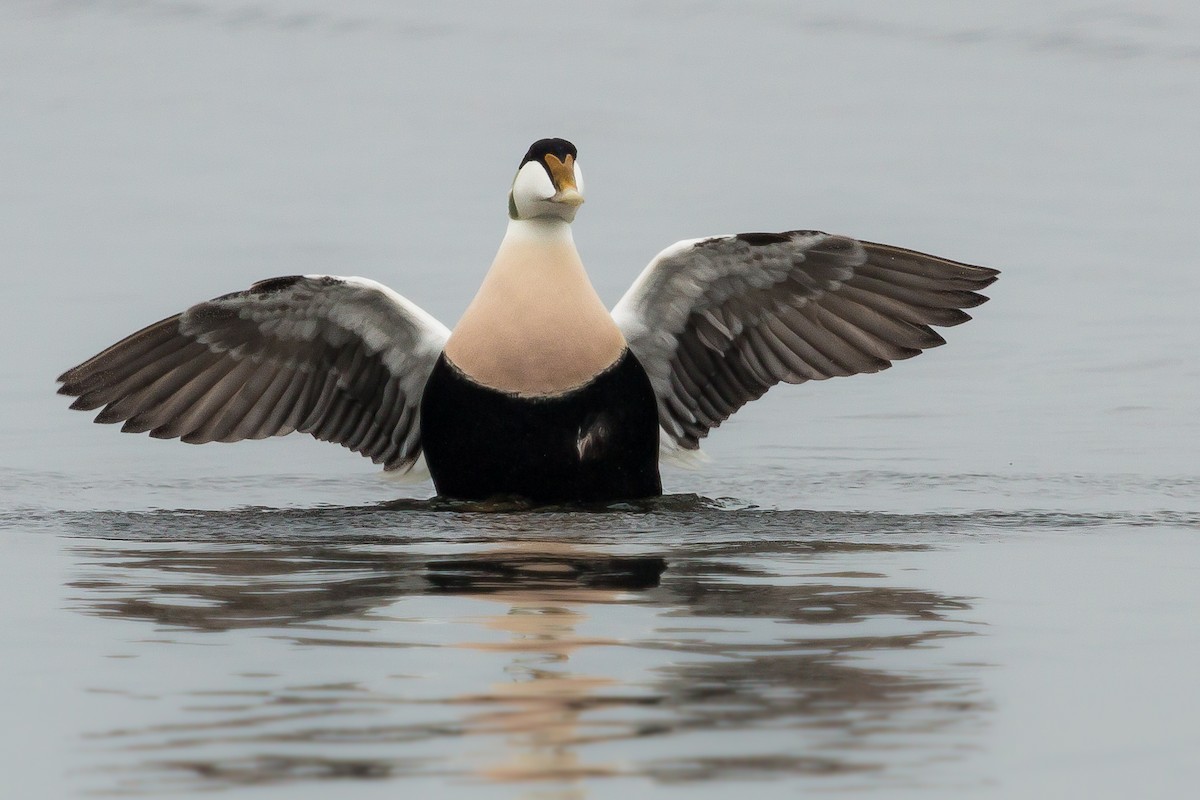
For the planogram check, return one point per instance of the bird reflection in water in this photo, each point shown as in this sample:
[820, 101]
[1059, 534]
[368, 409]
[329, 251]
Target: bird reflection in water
[544, 590]
[532, 648]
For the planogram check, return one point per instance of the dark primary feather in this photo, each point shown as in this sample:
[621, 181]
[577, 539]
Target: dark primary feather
[716, 322]
[343, 359]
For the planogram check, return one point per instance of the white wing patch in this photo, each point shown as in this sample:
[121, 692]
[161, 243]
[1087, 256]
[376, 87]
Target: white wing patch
[594, 436]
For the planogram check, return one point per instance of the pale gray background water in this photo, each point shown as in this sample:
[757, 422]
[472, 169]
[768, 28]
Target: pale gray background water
[976, 574]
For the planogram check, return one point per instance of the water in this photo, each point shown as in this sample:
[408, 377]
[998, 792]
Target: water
[975, 574]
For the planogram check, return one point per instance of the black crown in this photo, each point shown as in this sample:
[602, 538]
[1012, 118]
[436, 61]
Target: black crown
[560, 148]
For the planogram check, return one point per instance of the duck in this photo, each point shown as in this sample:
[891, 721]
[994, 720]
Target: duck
[540, 391]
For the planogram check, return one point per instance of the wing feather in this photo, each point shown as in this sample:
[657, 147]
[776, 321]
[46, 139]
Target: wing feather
[344, 359]
[140, 407]
[716, 322]
[296, 400]
[267, 398]
[219, 412]
[132, 354]
[183, 412]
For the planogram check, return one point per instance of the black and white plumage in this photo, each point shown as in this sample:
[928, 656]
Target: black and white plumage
[718, 321]
[539, 390]
[344, 359]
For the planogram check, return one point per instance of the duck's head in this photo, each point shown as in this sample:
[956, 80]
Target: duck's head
[548, 183]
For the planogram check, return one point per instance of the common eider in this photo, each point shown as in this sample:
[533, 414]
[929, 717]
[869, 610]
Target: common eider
[539, 391]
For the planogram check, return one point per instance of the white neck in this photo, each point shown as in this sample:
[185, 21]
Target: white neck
[549, 230]
[536, 326]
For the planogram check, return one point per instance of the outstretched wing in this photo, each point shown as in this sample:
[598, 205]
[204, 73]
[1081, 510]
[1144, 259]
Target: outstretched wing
[344, 359]
[716, 322]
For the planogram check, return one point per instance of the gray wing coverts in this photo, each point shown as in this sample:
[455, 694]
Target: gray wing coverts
[716, 322]
[342, 359]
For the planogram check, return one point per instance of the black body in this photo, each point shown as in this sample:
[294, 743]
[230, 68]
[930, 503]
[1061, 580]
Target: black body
[592, 444]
